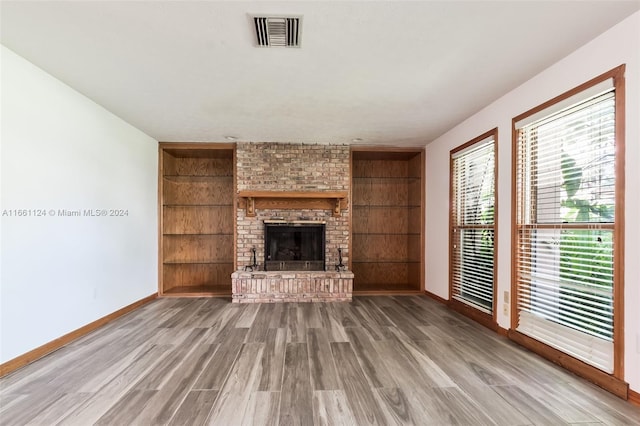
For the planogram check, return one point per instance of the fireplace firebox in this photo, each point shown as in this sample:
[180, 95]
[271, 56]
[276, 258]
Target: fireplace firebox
[294, 245]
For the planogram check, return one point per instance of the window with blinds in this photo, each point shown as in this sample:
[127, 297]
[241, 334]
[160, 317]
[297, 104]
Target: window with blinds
[472, 224]
[565, 177]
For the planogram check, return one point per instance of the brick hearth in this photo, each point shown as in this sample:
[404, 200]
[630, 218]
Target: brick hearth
[259, 287]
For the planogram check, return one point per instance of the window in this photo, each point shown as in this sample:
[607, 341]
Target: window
[472, 224]
[567, 217]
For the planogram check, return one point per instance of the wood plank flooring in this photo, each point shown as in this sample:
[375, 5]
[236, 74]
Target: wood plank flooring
[383, 360]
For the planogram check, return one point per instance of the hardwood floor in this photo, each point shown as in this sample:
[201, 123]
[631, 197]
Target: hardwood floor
[378, 360]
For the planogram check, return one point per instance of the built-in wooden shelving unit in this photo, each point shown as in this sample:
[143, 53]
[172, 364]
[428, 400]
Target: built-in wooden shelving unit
[387, 190]
[197, 218]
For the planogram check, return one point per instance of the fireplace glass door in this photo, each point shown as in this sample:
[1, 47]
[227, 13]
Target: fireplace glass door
[291, 246]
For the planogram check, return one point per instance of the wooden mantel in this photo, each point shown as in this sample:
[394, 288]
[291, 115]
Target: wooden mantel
[335, 201]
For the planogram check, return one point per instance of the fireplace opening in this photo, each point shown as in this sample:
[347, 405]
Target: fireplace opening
[294, 245]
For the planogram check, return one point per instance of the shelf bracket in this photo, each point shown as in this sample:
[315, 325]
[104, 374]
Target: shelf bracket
[251, 207]
[336, 208]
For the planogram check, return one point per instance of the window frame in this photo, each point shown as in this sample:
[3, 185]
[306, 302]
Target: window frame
[488, 320]
[613, 382]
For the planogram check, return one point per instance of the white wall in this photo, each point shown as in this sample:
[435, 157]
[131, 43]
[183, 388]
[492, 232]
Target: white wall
[619, 45]
[61, 150]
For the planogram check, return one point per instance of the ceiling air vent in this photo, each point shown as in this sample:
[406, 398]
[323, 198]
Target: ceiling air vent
[281, 31]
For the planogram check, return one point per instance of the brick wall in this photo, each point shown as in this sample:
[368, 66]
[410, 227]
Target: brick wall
[291, 167]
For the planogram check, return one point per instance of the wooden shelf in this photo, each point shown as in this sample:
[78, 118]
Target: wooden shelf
[199, 262]
[197, 219]
[197, 191]
[198, 205]
[192, 178]
[388, 178]
[385, 287]
[384, 206]
[387, 215]
[197, 274]
[200, 290]
[386, 233]
[293, 194]
[335, 201]
[384, 262]
[173, 234]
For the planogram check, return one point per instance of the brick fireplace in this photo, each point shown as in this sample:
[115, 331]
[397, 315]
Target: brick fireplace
[297, 183]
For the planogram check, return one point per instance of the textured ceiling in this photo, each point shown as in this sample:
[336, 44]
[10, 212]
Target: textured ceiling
[390, 73]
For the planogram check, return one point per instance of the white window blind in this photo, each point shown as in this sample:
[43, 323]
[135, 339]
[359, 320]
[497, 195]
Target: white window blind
[472, 225]
[566, 196]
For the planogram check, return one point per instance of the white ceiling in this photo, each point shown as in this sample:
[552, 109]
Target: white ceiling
[390, 73]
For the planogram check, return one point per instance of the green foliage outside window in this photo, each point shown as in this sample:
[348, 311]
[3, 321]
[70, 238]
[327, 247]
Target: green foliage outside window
[586, 258]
